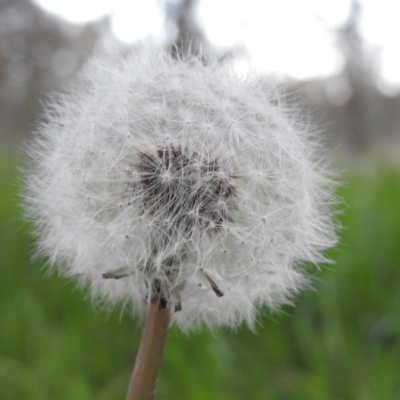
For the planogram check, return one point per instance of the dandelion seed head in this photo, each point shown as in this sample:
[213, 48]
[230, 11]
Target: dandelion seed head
[156, 176]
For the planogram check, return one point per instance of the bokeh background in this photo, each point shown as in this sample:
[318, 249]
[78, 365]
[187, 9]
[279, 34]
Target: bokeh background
[340, 59]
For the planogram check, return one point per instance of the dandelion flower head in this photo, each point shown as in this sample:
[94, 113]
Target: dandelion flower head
[168, 177]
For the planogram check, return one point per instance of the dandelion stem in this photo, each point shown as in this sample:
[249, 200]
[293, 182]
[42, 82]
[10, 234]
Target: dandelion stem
[150, 354]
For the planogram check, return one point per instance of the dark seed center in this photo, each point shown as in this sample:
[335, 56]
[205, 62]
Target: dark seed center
[182, 190]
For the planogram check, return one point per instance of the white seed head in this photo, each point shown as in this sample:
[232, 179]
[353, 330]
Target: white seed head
[161, 176]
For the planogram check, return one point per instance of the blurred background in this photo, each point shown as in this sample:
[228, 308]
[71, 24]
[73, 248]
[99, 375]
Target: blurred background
[340, 59]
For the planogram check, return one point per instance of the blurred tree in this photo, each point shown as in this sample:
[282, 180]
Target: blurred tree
[363, 109]
[39, 53]
[357, 76]
[186, 34]
[355, 113]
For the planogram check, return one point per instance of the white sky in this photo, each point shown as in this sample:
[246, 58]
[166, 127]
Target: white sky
[287, 37]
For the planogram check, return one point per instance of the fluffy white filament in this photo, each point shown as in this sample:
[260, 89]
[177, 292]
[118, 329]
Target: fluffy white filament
[156, 175]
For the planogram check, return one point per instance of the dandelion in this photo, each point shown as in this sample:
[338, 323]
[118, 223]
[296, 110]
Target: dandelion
[169, 180]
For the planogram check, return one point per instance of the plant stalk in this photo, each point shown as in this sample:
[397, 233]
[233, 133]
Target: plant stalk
[149, 358]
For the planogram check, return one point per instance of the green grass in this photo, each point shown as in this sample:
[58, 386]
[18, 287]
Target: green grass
[341, 341]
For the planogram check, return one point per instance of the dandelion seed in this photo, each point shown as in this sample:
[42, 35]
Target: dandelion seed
[155, 175]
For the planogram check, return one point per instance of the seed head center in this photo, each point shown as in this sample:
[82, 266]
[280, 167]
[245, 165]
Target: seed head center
[183, 187]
